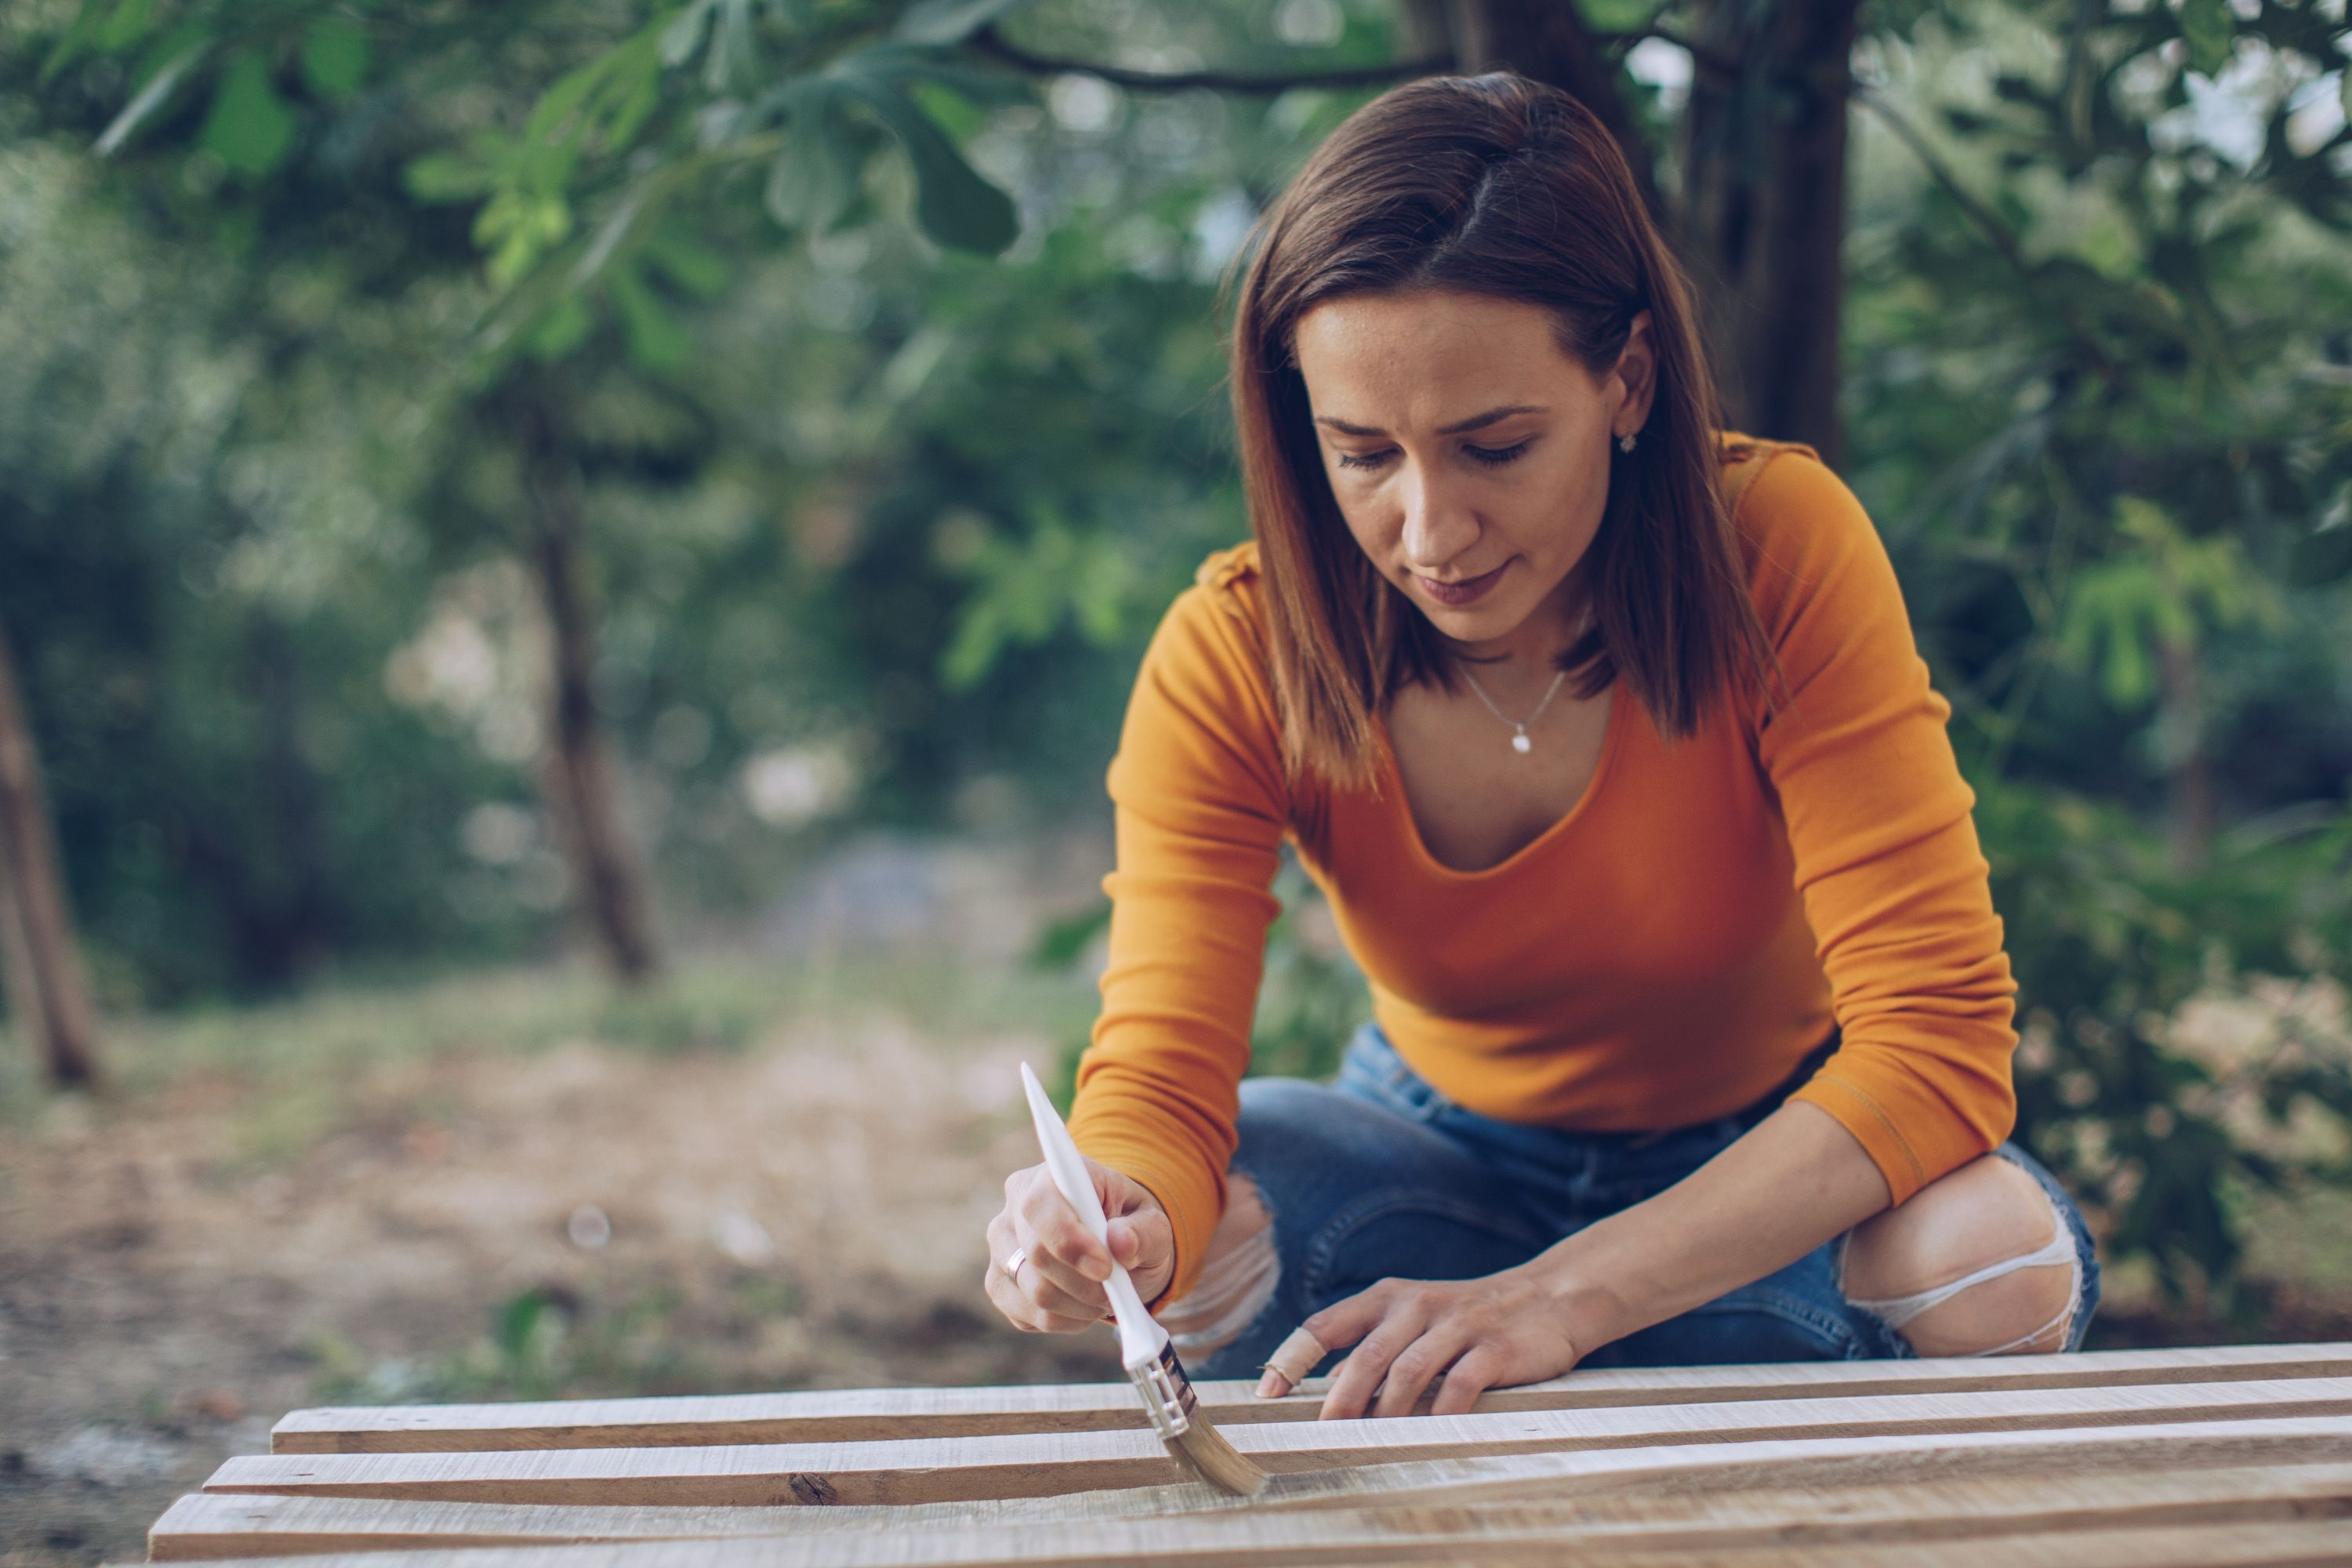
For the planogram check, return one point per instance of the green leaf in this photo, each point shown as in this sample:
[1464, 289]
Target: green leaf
[561, 328]
[563, 98]
[700, 272]
[815, 175]
[77, 38]
[2207, 28]
[108, 25]
[126, 27]
[517, 1319]
[953, 21]
[2321, 558]
[626, 108]
[905, 63]
[734, 57]
[249, 129]
[1061, 943]
[657, 343]
[682, 35]
[334, 57]
[955, 206]
[448, 177]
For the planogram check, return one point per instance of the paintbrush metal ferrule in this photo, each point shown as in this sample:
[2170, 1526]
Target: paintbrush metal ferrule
[1168, 1396]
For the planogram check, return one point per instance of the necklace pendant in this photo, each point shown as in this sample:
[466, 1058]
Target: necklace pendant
[1521, 744]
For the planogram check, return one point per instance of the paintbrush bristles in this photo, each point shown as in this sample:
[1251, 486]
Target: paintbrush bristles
[1202, 1450]
[1191, 1440]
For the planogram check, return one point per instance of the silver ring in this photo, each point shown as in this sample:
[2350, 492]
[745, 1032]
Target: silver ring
[1020, 1254]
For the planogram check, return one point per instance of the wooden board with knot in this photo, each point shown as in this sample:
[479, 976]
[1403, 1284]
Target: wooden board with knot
[2139, 1459]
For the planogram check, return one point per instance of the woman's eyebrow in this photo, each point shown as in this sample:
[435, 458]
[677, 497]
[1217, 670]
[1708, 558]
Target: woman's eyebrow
[1475, 422]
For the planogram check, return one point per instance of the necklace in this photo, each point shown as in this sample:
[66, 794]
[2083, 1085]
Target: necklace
[1519, 740]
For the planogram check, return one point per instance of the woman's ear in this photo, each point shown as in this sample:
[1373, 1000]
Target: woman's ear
[1636, 373]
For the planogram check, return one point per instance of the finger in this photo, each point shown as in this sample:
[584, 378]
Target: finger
[1024, 1313]
[1050, 1226]
[1416, 1367]
[1004, 1242]
[1141, 1235]
[1342, 1323]
[1477, 1370]
[1292, 1360]
[1055, 1281]
[1045, 1289]
[1353, 1384]
[1008, 1299]
[1145, 1244]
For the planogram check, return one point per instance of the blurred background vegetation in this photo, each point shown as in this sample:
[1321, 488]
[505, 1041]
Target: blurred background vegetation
[484, 486]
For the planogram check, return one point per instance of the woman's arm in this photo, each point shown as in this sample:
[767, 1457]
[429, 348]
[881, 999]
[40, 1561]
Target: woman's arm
[1202, 806]
[1791, 1183]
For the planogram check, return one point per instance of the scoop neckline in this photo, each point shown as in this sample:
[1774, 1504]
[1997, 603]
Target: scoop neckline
[1610, 739]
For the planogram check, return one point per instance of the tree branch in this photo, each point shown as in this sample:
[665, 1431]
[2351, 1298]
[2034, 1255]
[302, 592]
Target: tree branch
[988, 41]
[1986, 222]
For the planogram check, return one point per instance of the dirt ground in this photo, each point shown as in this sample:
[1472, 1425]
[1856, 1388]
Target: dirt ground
[582, 1219]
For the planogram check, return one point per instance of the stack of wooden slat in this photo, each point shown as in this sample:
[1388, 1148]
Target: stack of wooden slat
[2139, 1459]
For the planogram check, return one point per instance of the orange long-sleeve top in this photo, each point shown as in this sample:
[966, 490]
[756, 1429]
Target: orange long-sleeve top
[1664, 953]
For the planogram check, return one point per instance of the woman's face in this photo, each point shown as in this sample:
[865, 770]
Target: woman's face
[1469, 455]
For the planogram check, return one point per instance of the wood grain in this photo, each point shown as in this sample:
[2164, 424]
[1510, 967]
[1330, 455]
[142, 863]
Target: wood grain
[921, 1470]
[873, 1414]
[2234, 1545]
[205, 1526]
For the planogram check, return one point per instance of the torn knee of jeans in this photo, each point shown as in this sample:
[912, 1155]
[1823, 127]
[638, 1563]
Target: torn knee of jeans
[1236, 1279]
[2025, 1302]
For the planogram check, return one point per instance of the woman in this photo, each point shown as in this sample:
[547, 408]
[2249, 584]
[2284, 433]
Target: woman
[1603, 731]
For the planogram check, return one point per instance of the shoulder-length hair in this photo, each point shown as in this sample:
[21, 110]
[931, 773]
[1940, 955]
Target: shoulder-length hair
[1501, 186]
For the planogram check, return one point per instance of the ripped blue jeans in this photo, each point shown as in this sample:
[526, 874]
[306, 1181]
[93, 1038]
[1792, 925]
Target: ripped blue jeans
[1378, 1176]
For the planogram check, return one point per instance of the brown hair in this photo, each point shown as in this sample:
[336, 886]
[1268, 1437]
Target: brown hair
[1501, 186]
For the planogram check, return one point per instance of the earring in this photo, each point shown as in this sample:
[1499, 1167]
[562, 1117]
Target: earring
[1625, 442]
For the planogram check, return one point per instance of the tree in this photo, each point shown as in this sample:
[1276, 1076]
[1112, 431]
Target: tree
[46, 990]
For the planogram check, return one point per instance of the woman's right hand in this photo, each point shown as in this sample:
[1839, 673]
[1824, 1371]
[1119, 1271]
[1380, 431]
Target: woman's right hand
[1059, 1288]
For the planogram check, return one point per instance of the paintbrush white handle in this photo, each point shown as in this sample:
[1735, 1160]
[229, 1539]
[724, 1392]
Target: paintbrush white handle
[1140, 1336]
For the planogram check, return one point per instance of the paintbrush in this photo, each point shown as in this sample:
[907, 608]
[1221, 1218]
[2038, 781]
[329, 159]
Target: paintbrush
[1143, 1345]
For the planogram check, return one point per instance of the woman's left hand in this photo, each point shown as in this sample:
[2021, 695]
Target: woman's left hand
[1505, 1328]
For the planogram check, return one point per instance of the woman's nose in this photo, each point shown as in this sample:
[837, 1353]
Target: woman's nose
[1438, 525]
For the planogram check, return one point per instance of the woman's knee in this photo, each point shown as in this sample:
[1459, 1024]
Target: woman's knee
[1285, 1130]
[1978, 1262]
[1239, 1273]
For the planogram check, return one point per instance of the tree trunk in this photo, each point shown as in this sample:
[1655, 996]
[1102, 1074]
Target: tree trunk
[1764, 157]
[2191, 810]
[1548, 40]
[46, 990]
[577, 769]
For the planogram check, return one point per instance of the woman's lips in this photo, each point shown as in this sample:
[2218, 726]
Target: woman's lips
[1465, 591]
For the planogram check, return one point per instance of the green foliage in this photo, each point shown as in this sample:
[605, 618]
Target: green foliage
[334, 56]
[909, 492]
[544, 1342]
[2099, 376]
[2161, 1124]
[1310, 1001]
[2161, 593]
[1022, 593]
[249, 128]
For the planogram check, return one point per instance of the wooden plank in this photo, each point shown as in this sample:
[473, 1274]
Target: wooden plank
[1677, 1469]
[1033, 1465]
[872, 1415]
[212, 1526]
[2265, 1544]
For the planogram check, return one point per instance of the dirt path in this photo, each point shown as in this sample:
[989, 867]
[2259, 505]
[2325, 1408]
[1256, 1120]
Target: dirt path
[582, 1220]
